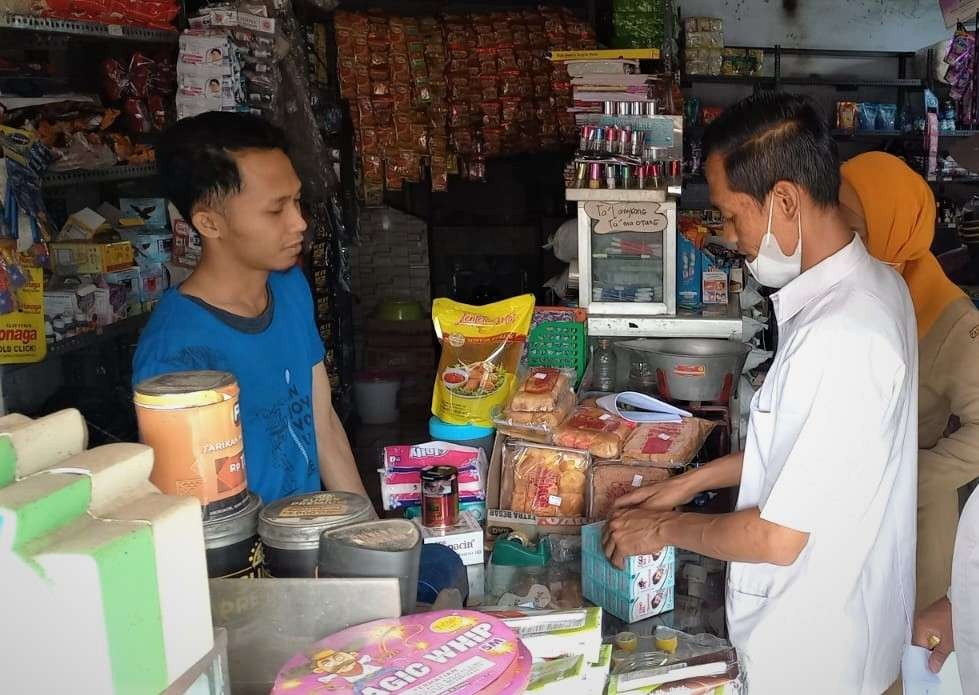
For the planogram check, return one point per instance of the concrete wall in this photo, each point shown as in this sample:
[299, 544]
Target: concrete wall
[391, 261]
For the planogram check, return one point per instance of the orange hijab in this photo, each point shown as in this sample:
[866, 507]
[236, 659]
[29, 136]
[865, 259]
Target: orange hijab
[899, 210]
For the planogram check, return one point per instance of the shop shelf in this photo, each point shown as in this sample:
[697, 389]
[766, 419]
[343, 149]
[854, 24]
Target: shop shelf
[133, 324]
[766, 81]
[97, 30]
[844, 83]
[719, 322]
[121, 172]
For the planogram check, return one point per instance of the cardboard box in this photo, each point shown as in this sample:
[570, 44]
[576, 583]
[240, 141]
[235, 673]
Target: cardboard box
[153, 282]
[124, 289]
[80, 257]
[69, 301]
[715, 287]
[551, 634]
[465, 538]
[689, 271]
[84, 225]
[644, 588]
[150, 248]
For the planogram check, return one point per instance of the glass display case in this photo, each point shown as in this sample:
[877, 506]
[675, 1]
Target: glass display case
[626, 252]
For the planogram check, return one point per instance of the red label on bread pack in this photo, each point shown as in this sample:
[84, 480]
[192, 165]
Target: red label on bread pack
[541, 380]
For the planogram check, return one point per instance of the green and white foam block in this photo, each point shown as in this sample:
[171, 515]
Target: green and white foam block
[121, 491]
[112, 573]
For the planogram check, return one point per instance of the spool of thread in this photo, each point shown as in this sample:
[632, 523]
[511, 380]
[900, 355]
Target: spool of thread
[623, 108]
[650, 108]
[581, 175]
[611, 139]
[585, 137]
[595, 175]
[610, 176]
[627, 641]
[626, 176]
[608, 108]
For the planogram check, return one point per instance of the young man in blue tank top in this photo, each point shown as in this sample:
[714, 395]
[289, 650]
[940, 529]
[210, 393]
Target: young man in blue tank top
[247, 308]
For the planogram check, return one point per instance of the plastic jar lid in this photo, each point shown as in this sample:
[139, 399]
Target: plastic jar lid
[445, 431]
[297, 522]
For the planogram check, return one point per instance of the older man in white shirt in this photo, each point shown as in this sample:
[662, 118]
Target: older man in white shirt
[821, 545]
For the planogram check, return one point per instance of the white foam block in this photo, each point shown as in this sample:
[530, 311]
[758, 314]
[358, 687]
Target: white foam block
[119, 472]
[181, 567]
[78, 636]
[94, 562]
[47, 441]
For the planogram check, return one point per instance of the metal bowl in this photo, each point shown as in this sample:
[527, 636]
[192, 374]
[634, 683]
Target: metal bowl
[693, 369]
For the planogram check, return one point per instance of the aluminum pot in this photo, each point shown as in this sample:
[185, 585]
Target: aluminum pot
[693, 369]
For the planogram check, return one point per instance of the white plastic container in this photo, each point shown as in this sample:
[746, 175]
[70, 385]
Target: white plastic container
[376, 396]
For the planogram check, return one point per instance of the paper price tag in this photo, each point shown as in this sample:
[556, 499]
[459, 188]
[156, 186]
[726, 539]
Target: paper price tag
[554, 501]
[636, 480]
[606, 416]
[540, 375]
[665, 437]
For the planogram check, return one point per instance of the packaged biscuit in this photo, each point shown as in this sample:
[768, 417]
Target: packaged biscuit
[594, 430]
[481, 348]
[609, 480]
[544, 480]
[667, 444]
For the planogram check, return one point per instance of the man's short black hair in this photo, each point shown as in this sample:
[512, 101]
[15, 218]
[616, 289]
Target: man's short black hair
[195, 155]
[771, 137]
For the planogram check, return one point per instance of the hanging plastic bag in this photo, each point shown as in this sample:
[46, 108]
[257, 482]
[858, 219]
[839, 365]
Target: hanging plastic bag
[481, 348]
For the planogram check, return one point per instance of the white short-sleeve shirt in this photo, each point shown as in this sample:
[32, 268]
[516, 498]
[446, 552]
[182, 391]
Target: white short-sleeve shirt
[964, 595]
[832, 451]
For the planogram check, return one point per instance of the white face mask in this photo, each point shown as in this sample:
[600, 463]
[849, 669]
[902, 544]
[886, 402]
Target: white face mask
[771, 267]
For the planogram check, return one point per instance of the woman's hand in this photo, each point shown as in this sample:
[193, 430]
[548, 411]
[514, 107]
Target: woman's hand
[933, 630]
[659, 497]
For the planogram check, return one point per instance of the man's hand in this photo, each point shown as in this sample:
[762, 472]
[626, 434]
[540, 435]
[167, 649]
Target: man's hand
[931, 624]
[633, 532]
[659, 497]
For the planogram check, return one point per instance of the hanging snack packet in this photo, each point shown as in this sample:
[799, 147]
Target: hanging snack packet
[481, 348]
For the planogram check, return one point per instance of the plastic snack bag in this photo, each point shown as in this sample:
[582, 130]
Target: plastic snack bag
[543, 480]
[481, 348]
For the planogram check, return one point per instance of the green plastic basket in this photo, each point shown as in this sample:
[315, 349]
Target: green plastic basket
[559, 344]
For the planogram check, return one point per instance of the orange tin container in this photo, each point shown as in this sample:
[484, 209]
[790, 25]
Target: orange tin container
[192, 422]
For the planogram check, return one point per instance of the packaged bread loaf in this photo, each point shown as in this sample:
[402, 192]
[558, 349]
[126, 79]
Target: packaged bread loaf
[544, 480]
[541, 390]
[535, 426]
[609, 480]
[667, 444]
[594, 430]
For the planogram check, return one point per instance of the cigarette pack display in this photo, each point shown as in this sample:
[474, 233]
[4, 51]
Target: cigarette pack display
[642, 589]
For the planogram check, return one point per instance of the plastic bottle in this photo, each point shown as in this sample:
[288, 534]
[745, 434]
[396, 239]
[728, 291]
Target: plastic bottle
[605, 366]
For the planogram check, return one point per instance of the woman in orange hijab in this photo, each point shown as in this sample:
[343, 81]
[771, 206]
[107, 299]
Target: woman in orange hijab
[893, 210]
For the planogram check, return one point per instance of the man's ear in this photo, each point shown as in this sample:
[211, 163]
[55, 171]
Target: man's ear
[787, 198]
[207, 222]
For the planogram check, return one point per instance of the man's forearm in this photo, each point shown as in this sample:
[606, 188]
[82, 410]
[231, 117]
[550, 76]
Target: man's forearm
[737, 537]
[719, 473]
[338, 468]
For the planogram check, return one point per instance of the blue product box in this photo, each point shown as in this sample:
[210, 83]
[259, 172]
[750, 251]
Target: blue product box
[689, 269]
[644, 588]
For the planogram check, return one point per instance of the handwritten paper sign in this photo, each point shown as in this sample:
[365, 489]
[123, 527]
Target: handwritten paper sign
[611, 218]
